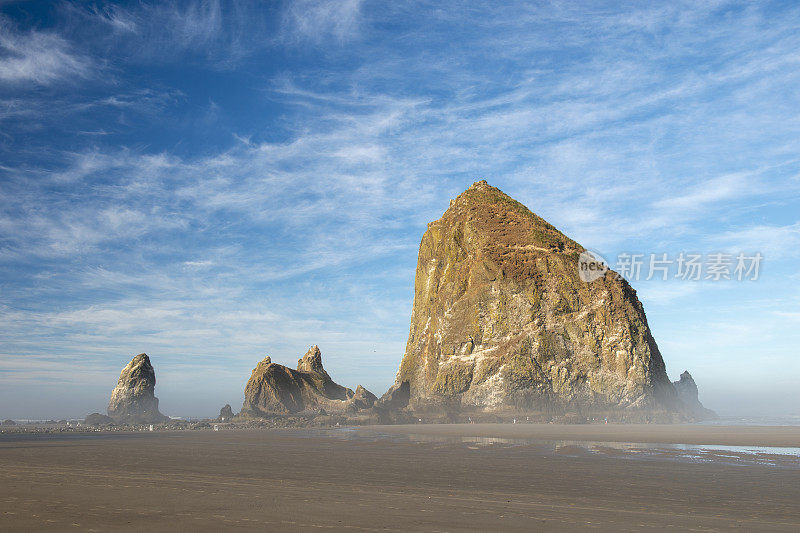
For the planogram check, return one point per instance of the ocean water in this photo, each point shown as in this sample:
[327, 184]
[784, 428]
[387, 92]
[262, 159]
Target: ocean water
[769, 456]
[732, 420]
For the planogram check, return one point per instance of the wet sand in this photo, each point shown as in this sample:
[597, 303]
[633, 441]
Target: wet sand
[784, 436]
[361, 480]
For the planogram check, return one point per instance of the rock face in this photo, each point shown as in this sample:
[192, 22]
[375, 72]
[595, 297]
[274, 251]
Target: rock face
[687, 393]
[503, 322]
[225, 414]
[277, 389]
[363, 399]
[133, 400]
[397, 397]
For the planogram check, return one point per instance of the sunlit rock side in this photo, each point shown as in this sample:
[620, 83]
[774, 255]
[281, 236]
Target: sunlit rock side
[688, 394]
[133, 400]
[502, 322]
[277, 389]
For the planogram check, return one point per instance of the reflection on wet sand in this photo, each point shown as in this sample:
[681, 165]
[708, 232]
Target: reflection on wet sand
[777, 456]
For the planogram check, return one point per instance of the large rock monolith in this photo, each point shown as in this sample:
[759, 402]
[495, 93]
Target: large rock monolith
[503, 321]
[133, 401]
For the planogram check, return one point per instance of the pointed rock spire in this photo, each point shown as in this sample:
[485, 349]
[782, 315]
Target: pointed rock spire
[312, 361]
[133, 399]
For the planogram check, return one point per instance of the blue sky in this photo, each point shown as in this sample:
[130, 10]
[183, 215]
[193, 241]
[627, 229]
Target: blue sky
[214, 182]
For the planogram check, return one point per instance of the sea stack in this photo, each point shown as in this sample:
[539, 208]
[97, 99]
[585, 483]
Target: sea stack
[688, 394]
[225, 414]
[502, 322]
[276, 389]
[133, 400]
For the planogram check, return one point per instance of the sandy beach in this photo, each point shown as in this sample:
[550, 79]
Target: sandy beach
[788, 436]
[359, 479]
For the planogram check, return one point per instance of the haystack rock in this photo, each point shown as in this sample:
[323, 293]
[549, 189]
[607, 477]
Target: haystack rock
[133, 400]
[277, 389]
[502, 321]
[688, 394]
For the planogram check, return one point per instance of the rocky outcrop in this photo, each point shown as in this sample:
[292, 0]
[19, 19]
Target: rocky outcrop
[312, 362]
[225, 414]
[98, 419]
[133, 400]
[277, 389]
[397, 397]
[363, 399]
[688, 394]
[502, 321]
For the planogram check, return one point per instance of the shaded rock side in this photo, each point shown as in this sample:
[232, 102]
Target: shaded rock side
[133, 400]
[277, 389]
[687, 391]
[397, 397]
[363, 399]
[225, 414]
[98, 419]
[502, 321]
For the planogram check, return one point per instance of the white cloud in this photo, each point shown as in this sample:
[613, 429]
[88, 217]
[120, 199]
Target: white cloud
[119, 20]
[774, 242]
[319, 20]
[38, 57]
[723, 188]
[666, 292]
[217, 35]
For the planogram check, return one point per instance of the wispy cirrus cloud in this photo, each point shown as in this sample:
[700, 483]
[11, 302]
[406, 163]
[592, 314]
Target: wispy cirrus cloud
[775, 242]
[268, 188]
[316, 21]
[38, 57]
[219, 35]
